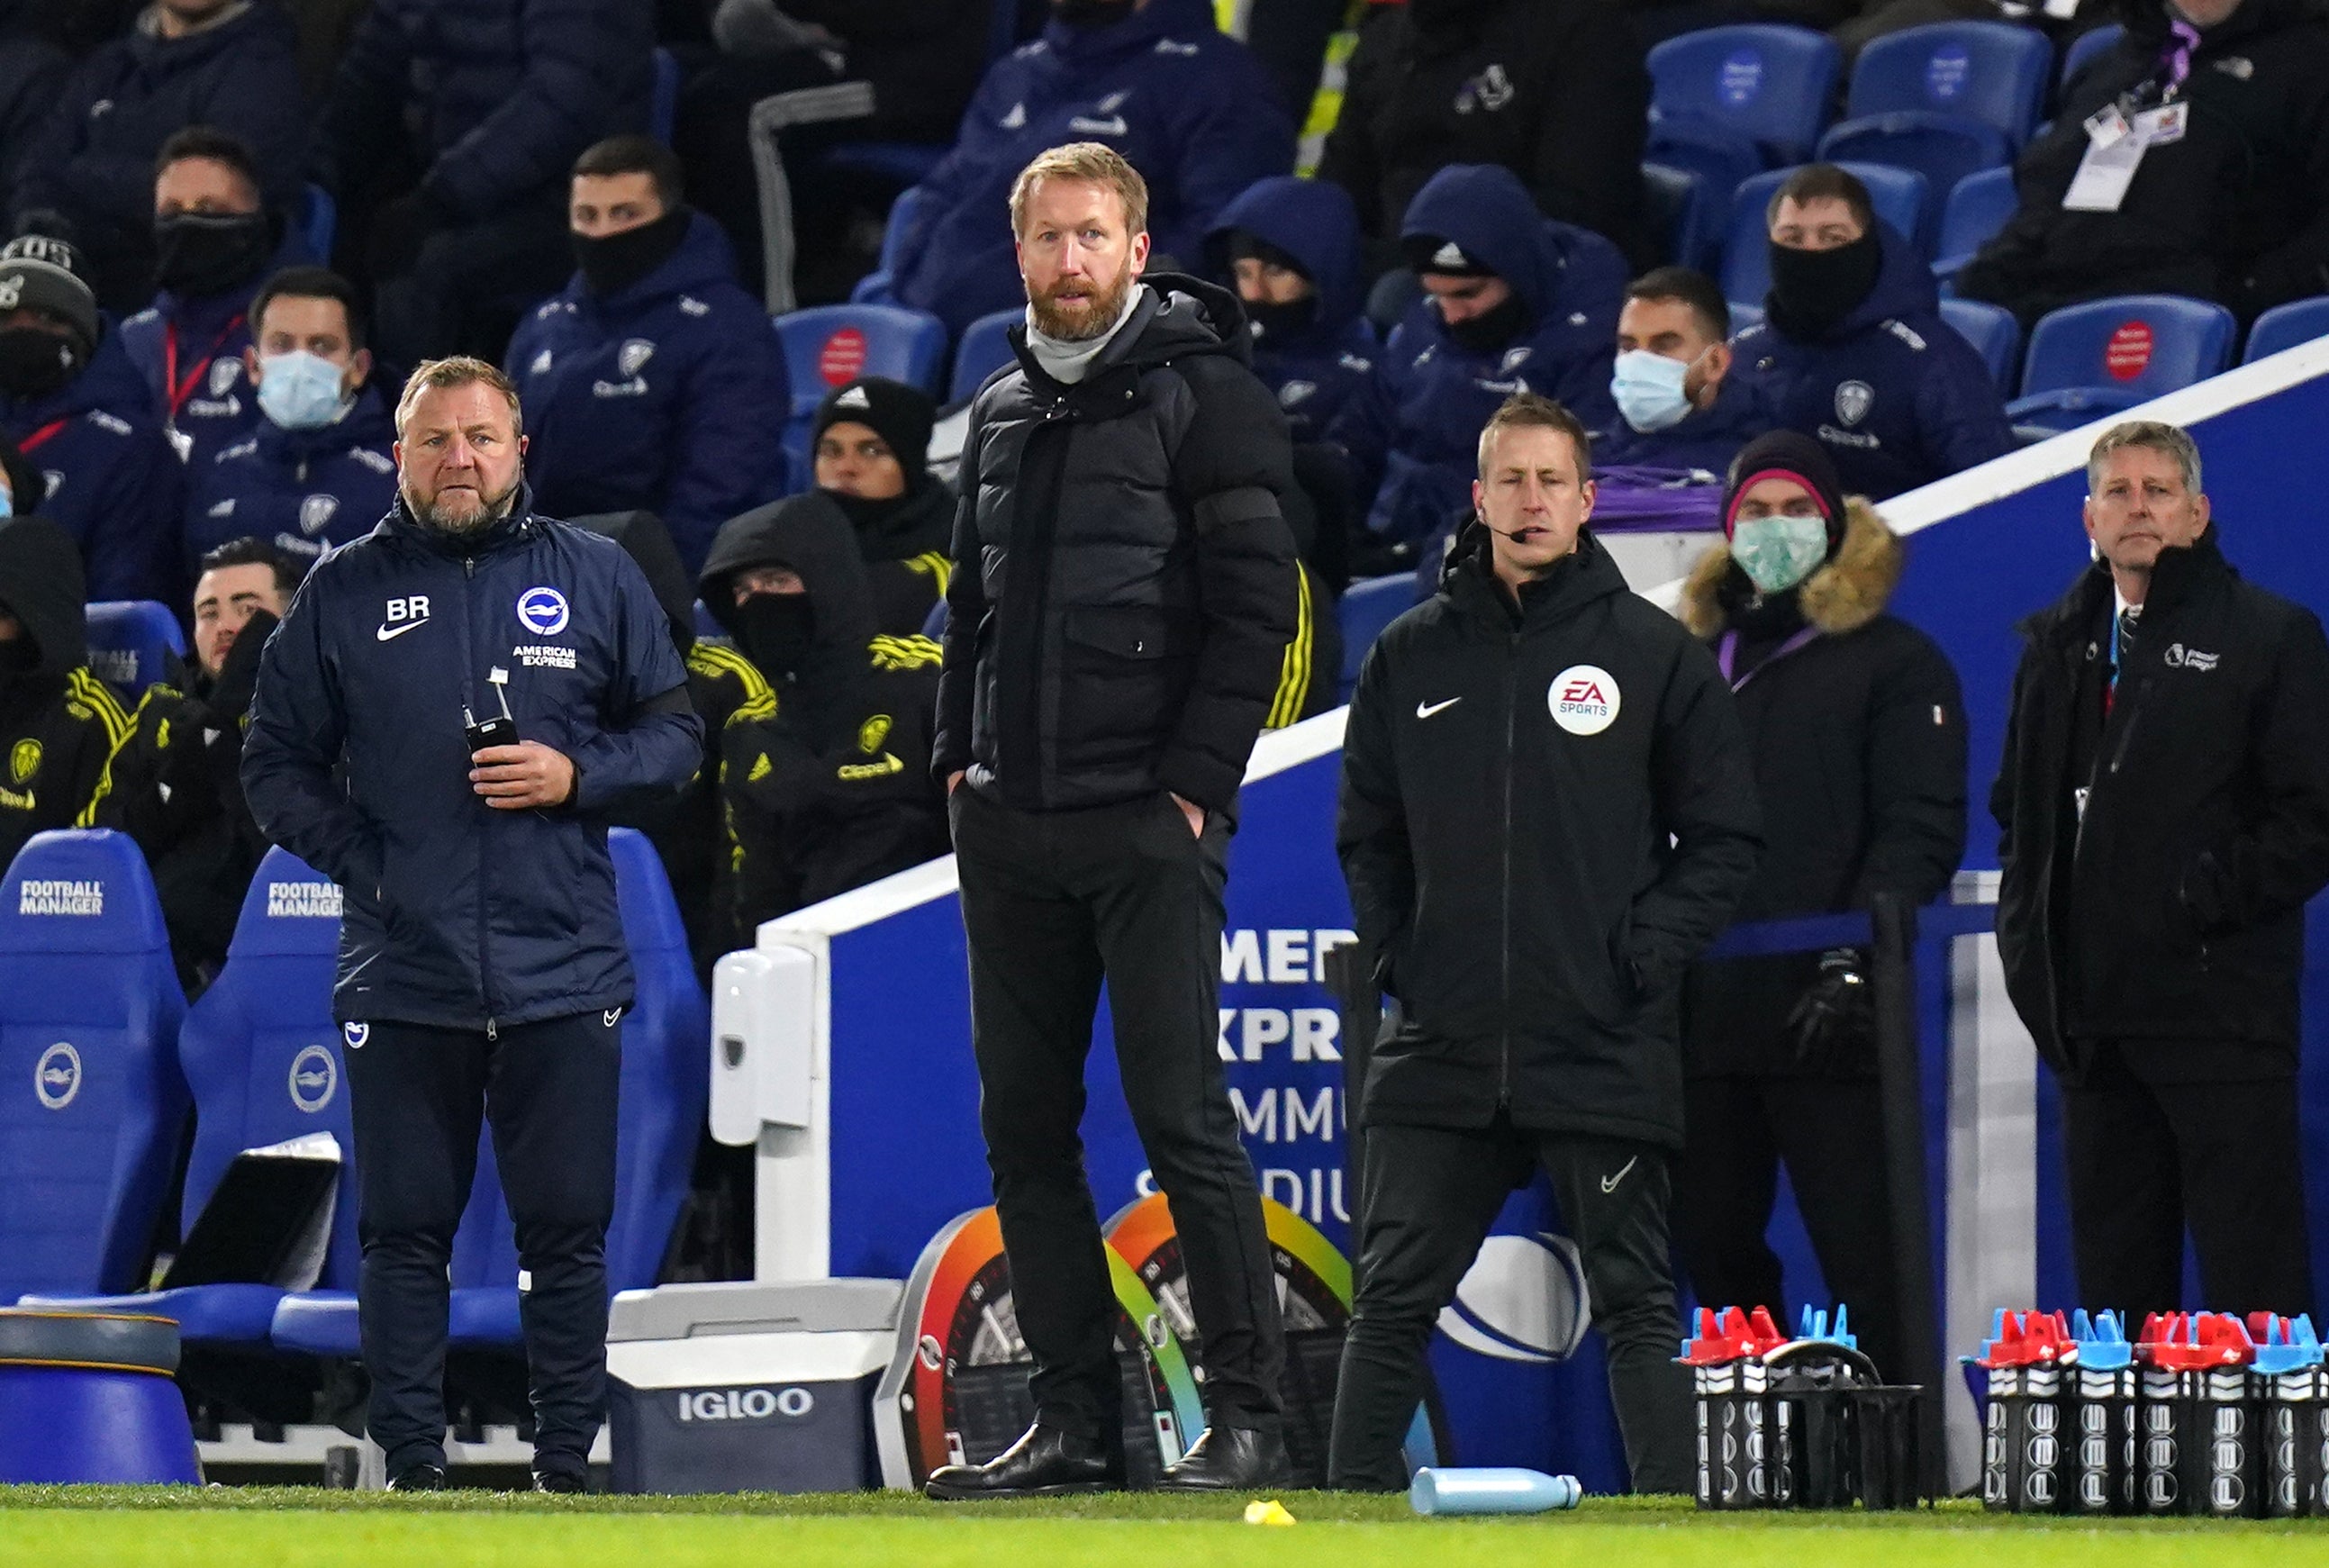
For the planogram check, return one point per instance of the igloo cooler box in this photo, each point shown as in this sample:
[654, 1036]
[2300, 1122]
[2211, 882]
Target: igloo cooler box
[743, 1386]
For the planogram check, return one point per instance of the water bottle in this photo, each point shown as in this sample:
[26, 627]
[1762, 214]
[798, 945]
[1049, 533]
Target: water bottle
[1491, 1491]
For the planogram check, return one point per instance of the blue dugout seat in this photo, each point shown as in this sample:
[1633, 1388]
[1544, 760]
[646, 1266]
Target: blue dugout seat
[828, 346]
[1686, 214]
[92, 1104]
[319, 224]
[662, 109]
[1897, 194]
[132, 643]
[1367, 607]
[2286, 326]
[873, 288]
[1726, 102]
[985, 348]
[1993, 332]
[2086, 361]
[2088, 47]
[1981, 205]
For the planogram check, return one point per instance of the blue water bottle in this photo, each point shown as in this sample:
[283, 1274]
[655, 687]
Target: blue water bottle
[1491, 1491]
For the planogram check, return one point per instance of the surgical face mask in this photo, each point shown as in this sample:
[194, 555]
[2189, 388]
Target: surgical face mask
[1778, 552]
[1648, 388]
[7, 502]
[300, 391]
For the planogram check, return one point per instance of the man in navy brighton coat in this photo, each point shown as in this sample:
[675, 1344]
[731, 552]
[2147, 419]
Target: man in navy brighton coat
[482, 968]
[1190, 109]
[652, 383]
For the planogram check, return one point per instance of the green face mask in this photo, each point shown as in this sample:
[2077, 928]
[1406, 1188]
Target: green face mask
[1778, 552]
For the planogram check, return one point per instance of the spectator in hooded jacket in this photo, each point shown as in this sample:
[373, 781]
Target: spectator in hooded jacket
[653, 383]
[1152, 80]
[1853, 351]
[319, 470]
[1516, 304]
[1290, 247]
[837, 790]
[870, 443]
[226, 63]
[73, 402]
[1555, 91]
[216, 239]
[2236, 209]
[1856, 727]
[493, 100]
[58, 721]
[172, 784]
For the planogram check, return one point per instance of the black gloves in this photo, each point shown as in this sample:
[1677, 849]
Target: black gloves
[1834, 1024]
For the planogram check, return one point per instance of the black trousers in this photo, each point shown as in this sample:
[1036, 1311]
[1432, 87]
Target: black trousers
[1052, 902]
[1431, 1194]
[2152, 1152]
[1828, 1130]
[419, 1095]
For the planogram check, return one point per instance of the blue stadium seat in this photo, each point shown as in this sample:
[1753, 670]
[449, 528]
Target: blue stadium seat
[2086, 361]
[263, 1057]
[707, 628]
[934, 623]
[830, 344]
[320, 223]
[663, 111]
[1947, 153]
[1993, 332]
[873, 288]
[1977, 209]
[1368, 606]
[1763, 87]
[132, 643]
[92, 1104]
[1992, 73]
[1898, 195]
[2287, 326]
[985, 348]
[2088, 47]
[1683, 213]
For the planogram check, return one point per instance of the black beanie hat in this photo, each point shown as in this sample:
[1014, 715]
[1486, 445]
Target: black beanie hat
[899, 414]
[1787, 454]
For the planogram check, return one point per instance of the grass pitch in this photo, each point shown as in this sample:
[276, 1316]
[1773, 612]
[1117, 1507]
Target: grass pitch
[219, 1527]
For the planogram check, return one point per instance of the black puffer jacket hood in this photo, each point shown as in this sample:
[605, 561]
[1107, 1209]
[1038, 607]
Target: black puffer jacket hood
[810, 535]
[40, 584]
[647, 542]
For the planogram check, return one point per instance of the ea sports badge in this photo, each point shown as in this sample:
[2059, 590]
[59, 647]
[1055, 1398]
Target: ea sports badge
[1584, 699]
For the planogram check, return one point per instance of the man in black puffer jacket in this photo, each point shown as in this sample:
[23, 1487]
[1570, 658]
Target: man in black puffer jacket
[1858, 734]
[1547, 810]
[2162, 816]
[1116, 623]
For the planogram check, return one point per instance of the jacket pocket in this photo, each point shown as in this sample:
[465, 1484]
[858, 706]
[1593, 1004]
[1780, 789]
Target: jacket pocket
[1121, 668]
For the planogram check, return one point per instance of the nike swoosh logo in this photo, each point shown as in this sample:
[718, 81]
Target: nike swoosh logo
[391, 633]
[1424, 710]
[1609, 1183]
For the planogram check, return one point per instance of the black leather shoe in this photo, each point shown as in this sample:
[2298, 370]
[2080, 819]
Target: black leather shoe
[565, 1483]
[1043, 1463]
[1228, 1458]
[421, 1477]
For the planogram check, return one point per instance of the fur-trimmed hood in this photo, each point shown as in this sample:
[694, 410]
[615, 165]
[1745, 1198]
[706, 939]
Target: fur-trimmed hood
[1844, 595]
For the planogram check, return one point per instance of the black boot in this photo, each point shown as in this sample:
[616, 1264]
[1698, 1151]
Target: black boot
[1044, 1463]
[418, 1478]
[1228, 1458]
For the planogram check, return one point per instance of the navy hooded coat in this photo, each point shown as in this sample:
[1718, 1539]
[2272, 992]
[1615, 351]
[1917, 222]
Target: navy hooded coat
[1314, 373]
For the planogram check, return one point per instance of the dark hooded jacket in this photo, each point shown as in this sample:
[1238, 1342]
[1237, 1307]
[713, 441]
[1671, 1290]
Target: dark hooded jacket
[1124, 586]
[664, 397]
[494, 99]
[1897, 396]
[1547, 809]
[1858, 738]
[114, 483]
[1190, 109]
[1413, 431]
[59, 723]
[835, 790]
[1315, 372]
[94, 159]
[728, 694]
[2237, 211]
[2158, 855]
[305, 491]
[199, 342]
[903, 543]
[1555, 91]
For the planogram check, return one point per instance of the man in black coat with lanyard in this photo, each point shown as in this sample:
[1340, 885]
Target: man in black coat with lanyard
[1117, 616]
[1547, 811]
[2163, 817]
[1857, 729]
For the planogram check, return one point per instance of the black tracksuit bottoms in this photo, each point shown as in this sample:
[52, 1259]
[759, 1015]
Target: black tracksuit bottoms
[1052, 901]
[1430, 1194]
[419, 1096]
[2152, 1148]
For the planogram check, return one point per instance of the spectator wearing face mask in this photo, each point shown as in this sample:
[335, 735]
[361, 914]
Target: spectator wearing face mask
[230, 64]
[1678, 407]
[870, 443]
[1853, 351]
[1856, 730]
[318, 469]
[58, 721]
[1290, 247]
[653, 383]
[73, 403]
[214, 240]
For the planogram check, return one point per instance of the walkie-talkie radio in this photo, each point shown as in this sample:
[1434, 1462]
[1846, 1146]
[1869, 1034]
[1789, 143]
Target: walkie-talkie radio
[499, 728]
